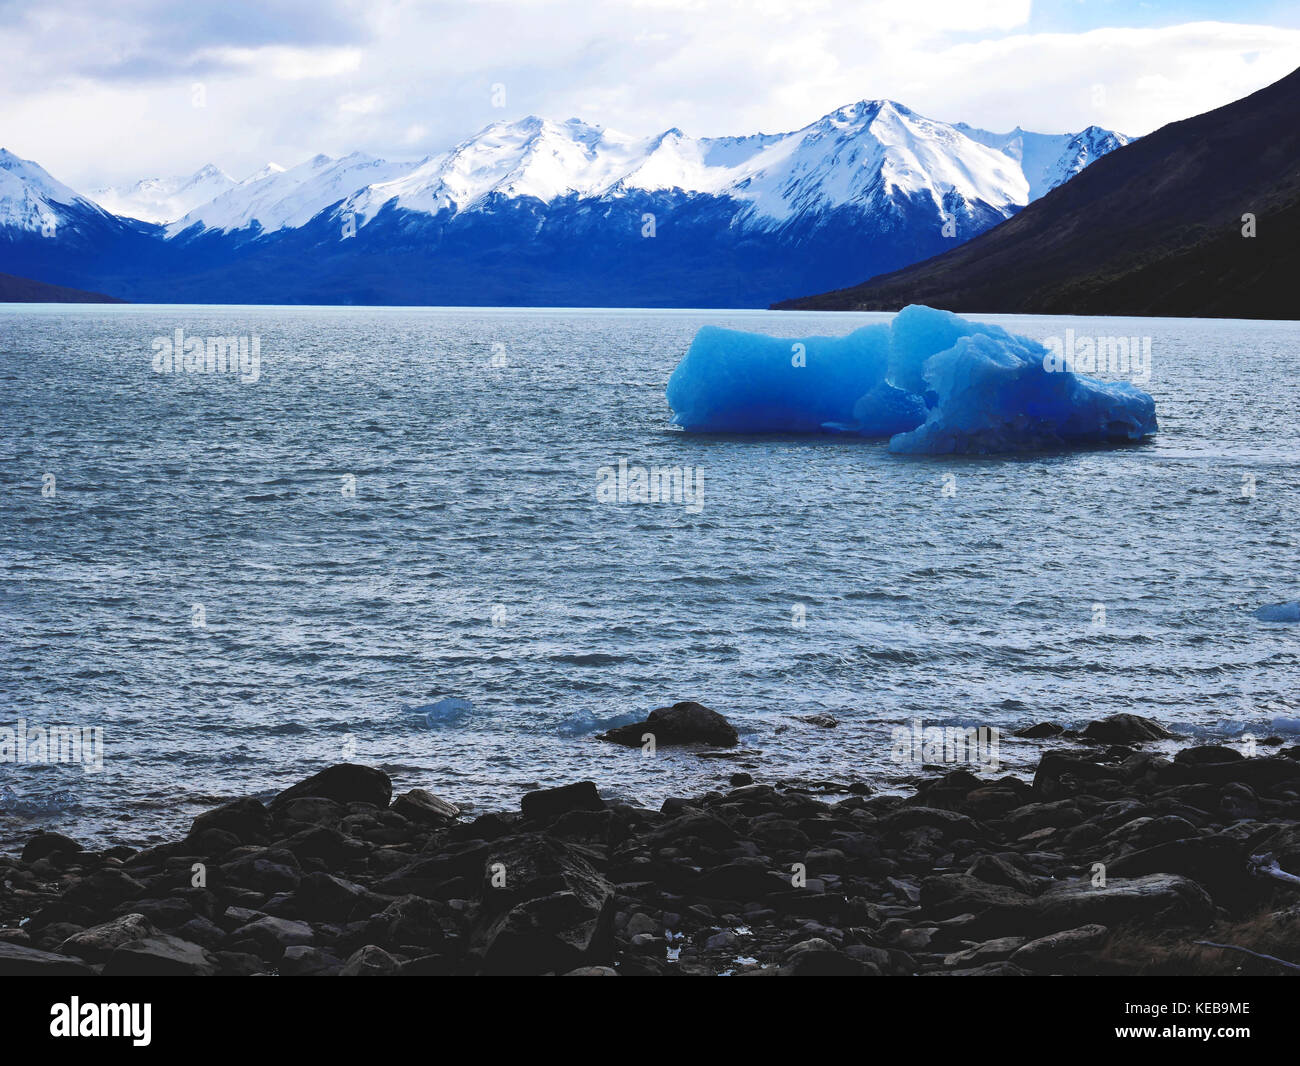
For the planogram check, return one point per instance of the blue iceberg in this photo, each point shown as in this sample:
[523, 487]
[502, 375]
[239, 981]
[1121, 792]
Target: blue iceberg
[1279, 612]
[931, 381]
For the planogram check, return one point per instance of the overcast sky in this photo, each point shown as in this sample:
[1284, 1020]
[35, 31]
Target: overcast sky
[101, 92]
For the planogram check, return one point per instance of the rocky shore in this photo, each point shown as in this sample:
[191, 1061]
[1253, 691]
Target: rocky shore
[1112, 860]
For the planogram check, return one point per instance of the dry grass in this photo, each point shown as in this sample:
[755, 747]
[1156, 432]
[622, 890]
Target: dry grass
[1272, 932]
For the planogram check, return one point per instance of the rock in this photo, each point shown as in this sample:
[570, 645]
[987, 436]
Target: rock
[1258, 773]
[160, 955]
[996, 870]
[1039, 731]
[1208, 753]
[989, 951]
[828, 963]
[18, 960]
[313, 810]
[1152, 901]
[991, 969]
[408, 922]
[825, 721]
[950, 824]
[740, 780]
[554, 913]
[642, 923]
[324, 897]
[739, 881]
[1217, 862]
[344, 783]
[104, 889]
[100, 941]
[201, 931]
[1047, 954]
[43, 845]
[549, 803]
[682, 723]
[273, 935]
[266, 871]
[304, 960]
[1056, 770]
[370, 961]
[426, 809]
[1125, 729]
[245, 819]
[947, 895]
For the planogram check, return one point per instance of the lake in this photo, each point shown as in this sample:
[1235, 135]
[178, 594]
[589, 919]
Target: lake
[241, 577]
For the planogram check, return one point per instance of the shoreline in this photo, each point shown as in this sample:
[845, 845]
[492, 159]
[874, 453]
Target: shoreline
[1115, 859]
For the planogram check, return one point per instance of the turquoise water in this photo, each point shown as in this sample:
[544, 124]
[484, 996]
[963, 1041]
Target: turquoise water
[241, 581]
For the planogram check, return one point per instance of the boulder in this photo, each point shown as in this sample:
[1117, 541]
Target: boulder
[1040, 731]
[1051, 954]
[682, 723]
[370, 961]
[425, 808]
[550, 803]
[160, 955]
[272, 935]
[324, 897]
[1217, 861]
[981, 954]
[100, 941]
[948, 895]
[43, 845]
[344, 783]
[245, 819]
[19, 960]
[739, 881]
[553, 913]
[1125, 729]
[303, 960]
[1059, 774]
[1152, 901]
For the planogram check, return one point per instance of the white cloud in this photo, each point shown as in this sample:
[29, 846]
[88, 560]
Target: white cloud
[100, 96]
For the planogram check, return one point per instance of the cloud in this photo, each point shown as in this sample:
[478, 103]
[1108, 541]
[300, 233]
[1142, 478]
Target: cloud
[102, 94]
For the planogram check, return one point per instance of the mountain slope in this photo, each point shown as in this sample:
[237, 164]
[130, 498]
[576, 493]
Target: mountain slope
[164, 199]
[27, 291]
[1153, 228]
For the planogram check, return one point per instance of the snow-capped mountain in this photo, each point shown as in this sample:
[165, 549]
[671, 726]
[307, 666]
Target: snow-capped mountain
[275, 198]
[164, 199]
[1049, 159]
[33, 202]
[853, 156]
[544, 212]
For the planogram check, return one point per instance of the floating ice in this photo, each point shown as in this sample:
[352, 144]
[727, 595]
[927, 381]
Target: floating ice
[585, 722]
[444, 712]
[1279, 612]
[931, 381]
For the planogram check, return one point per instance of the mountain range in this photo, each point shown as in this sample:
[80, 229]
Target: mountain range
[540, 212]
[1200, 218]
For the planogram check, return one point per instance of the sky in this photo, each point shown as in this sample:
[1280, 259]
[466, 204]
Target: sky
[104, 94]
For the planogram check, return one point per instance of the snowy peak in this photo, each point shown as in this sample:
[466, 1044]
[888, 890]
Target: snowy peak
[1049, 159]
[277, 198]
[164, 199]
[31, 200]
